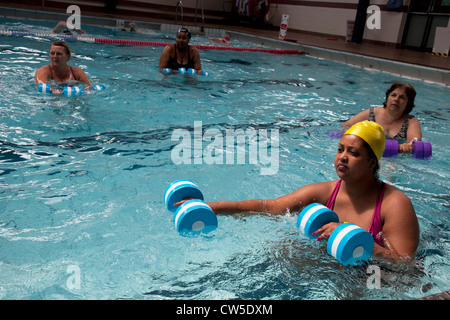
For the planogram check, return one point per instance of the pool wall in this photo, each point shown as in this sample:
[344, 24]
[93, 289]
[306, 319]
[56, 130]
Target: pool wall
[367, 62]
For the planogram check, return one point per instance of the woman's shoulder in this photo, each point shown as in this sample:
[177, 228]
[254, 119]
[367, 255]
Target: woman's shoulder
[395, 198]
[170, 48]
[193, 49]
[77, 70]
[44, 68]
[378, 109]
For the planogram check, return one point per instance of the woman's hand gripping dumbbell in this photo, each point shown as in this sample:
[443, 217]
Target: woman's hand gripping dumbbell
[419, 149]
[348, 243]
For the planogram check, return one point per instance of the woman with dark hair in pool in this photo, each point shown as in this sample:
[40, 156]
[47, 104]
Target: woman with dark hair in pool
[358, 196]
[58, 69]
[395, 116]
[181, 54]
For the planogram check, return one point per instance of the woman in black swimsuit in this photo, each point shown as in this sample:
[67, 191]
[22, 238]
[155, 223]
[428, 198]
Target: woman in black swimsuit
[181, 54]
[394, 116]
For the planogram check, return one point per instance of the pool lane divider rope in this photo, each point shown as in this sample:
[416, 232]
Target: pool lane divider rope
[141, 43]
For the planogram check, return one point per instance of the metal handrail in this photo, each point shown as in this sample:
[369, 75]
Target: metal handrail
[180, 4]
[203, 16]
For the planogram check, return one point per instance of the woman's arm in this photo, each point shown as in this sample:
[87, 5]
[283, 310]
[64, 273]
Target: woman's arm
[196, 59]
[414, 133]
[165, 57]
[400, 227]
[80, 75]
[292, 202]
[42, 75]
[363, 115]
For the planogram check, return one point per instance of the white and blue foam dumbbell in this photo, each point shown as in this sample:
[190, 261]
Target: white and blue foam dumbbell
[194, 215]
[167, 70]
[72, 91]
[98, 87]
[314, 217]
[348, 243]
[44, 88]
[191, 71]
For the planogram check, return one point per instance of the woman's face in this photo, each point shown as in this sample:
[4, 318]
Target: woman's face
[397, 100]
[182, 40]
[58, 55]
[352, 158]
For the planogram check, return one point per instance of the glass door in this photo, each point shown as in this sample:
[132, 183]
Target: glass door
[424, 16]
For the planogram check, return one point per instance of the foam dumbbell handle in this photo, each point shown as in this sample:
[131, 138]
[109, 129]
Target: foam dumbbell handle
[390, 149]
[350, 244]
[313, 217]
[195, 216]
[179, 190]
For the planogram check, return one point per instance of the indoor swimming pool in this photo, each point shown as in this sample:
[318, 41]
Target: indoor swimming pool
[82, 179]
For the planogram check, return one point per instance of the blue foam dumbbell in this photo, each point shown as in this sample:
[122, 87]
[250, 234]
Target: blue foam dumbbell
[98, 87]
[313, 217]
[72, 91]
[348, 243]
[194, 215]
[44, 88]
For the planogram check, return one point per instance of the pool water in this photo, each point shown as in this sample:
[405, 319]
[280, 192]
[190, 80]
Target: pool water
[82, 179]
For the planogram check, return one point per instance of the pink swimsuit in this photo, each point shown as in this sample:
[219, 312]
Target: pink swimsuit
[375, 227]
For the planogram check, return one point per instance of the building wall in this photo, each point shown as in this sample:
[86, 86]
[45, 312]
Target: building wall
[325, 17]
[329, 17]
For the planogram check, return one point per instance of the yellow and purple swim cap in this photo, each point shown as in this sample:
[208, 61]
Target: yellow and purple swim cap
[372, 133]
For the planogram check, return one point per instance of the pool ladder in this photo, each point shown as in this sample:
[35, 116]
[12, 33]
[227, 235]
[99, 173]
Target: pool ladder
[180, 5]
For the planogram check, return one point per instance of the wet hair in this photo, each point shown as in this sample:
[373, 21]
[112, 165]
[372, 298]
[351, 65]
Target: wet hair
[410, 93]
[184, 30]
[62, 44]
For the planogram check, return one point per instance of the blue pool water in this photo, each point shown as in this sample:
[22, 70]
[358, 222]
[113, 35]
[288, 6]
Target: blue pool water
[82, 179]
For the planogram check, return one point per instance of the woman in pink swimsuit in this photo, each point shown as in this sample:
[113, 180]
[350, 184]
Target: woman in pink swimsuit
[58, 69]
[358, 197]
